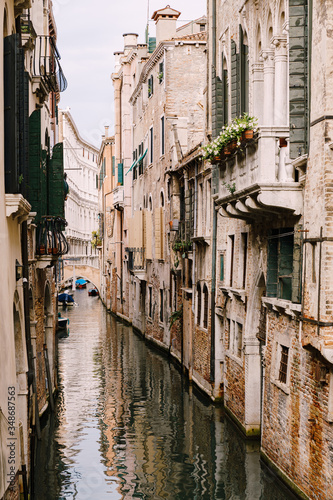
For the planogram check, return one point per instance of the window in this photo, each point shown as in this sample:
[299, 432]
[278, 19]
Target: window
[283, 364]
[221, 267]
[150, 86]
[243, 73]
[120, 174]
[150, 302]
[231, 254]
[205, 317]
[162, 136]
[243, 258]
[113, 165]
[239, 339]
[199, 303]
[151, 145]
[162, 199]
[225, 91]
[161, 305]
[202, 27]
[280, 263]
[161, 72]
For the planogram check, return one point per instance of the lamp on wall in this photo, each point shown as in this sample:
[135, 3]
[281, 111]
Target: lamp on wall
[18, 270]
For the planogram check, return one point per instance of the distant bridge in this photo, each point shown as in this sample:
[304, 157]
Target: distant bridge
[86, 272]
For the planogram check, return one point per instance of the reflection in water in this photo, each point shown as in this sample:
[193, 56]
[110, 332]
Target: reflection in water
[127, 425]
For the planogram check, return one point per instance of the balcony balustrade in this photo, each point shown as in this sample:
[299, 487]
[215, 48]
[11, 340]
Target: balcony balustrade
[118, 197]
[50, 240]
[259, 179]
[46, 64]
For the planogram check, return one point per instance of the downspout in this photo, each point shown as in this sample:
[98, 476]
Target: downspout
[195, 234]
[35, 425]
[213, 289]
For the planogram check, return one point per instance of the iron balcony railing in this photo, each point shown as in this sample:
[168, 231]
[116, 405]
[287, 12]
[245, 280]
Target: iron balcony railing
[50, 238]
[136, 258]
[46, 64]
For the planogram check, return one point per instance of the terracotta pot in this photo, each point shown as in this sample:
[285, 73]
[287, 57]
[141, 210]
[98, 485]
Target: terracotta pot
[247, 135]
[41, 250]
[227, 150]
[233, 145]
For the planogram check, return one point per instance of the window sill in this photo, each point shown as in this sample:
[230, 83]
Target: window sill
[235, 358]
[282, 386]
[282, 306]
[234, 292]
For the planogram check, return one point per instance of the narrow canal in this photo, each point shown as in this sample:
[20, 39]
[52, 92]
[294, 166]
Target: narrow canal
[127, 425]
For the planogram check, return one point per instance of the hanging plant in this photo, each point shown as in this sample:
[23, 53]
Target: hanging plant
[230, 138]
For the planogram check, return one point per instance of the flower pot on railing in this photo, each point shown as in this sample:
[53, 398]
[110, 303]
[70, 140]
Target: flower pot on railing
[227, 150]
[247, 135]
[41, 250]
[233, 145]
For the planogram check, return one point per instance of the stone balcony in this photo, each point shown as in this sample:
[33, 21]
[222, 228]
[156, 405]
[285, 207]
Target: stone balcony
[259, 180]
[118, 197]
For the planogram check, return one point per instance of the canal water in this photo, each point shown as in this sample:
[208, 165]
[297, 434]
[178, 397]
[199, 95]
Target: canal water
[128, 426]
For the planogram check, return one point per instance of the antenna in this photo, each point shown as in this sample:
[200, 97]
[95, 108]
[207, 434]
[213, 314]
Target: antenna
[147, 27]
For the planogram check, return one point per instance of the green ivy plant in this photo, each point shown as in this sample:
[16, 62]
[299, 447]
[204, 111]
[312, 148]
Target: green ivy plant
[176, 315]
[230, 187]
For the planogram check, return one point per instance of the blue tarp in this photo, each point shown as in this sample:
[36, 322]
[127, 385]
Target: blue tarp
[65, 297]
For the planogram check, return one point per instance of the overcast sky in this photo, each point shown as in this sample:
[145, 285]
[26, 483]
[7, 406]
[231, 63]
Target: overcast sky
[89, 32]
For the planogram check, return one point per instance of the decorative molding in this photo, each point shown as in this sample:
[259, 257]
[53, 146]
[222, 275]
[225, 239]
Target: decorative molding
[17, 207]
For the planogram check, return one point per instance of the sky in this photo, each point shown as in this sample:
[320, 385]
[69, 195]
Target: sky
[88, 33]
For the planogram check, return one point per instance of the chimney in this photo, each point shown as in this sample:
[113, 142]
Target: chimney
[106, 130]
[130, 42]
[165, 20]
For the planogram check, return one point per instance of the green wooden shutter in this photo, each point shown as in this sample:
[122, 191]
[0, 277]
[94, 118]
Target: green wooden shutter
[120, 174]
[113, 165]
[11, 136]
[272, 267]
[286, 265]
[243, 90]
[298, 77]
[234, 81]
[35, 164]
[56, 198]
[24, 129]
[297, 265]
[217, 104]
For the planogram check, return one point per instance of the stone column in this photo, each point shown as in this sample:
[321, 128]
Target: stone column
[268, 57]
[258, 90]
[281, 81]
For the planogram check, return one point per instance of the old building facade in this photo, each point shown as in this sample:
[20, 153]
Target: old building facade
[227, 254]
[32, 223]
[81, 213]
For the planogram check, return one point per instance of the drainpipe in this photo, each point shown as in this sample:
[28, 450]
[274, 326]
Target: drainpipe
[212, 345]
[31, 367]
[213, 291]
[214, 33]
[195, 234]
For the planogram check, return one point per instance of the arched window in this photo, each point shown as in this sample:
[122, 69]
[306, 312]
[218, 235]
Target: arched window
[199, 303]
[162, 199]
[205, 315]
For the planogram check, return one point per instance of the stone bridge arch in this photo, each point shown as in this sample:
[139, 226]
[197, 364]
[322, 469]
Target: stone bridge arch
[88, 273]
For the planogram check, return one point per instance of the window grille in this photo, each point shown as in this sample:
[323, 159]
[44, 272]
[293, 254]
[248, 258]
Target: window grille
[205, 318]
[283, 364]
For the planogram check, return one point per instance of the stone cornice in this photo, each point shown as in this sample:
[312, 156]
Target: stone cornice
[68, 117]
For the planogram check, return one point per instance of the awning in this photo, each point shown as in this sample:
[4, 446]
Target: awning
[137, 161]
[132, 166]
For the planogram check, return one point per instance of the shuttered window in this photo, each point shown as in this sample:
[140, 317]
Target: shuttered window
[205, 315]
[235, 108]
[217, 104]
[113, 165]
[199, 303]
[16, 117]
[120, 174]
[298, 77]
[280, 264]
[243, 74]
[56, 183]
